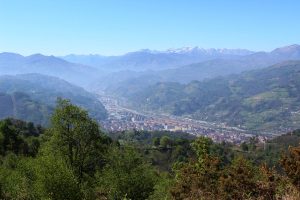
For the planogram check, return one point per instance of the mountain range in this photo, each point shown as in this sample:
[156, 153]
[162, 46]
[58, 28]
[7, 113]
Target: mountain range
[260, 100]
[206, 84]
[180, 65]
[155, 60]
[124, 83]
[12, 64]
[173, 58]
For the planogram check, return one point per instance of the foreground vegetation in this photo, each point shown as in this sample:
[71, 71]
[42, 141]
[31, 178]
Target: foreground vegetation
[74, 159]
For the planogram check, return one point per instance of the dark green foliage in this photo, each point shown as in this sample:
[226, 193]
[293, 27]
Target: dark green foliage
[161, 189]
[19, 137]
[271, 151]
[14, 184]
[156, 141]
[244, 146]
[77, 138]
[161, 148]
[146, 137]
[165, 142]
[127, 175]
[55, 179]
[73, 159]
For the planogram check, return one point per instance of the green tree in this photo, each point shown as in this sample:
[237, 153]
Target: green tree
[202, 148]
[156, 141]
[165, 142]
[161, 189]
[55, 179]
[17, 137]
[77, 138]
[9, 138]
[126, 175]
[17, 178]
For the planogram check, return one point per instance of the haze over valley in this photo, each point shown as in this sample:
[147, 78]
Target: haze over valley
[239, 90]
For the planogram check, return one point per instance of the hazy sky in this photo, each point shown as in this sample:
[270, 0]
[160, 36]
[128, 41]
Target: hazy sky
[113, 27]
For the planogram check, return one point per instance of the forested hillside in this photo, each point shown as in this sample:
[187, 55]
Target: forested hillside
[21, 106]
[33, 96]
[266, 99]
[38, 163]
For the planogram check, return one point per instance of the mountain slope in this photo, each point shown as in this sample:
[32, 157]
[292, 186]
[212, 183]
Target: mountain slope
[46, 90]
[266, 99]
[20, 106]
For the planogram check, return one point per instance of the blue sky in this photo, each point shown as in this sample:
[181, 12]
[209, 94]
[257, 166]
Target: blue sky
[111, 27]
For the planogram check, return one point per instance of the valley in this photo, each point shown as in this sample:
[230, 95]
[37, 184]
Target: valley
[225, 94]
[121, 118]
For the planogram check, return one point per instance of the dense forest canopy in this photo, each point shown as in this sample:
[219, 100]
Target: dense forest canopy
[74, 159]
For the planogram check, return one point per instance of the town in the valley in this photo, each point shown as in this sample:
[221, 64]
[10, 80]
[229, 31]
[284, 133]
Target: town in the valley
[121, 118]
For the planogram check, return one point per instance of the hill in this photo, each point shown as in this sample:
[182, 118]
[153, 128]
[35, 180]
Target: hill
[44, 90]
[12, 64]
[20, 106]
[266, 99]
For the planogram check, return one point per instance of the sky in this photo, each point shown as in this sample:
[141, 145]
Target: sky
[114, 27]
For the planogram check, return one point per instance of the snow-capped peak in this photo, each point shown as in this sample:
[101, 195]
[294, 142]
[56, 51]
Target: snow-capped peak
[209, 51]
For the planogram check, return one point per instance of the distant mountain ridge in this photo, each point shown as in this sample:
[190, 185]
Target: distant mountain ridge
[147, 59]
[155, 60]
[198, 71]
[182, 65]
[11, 63]
[210, 51]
